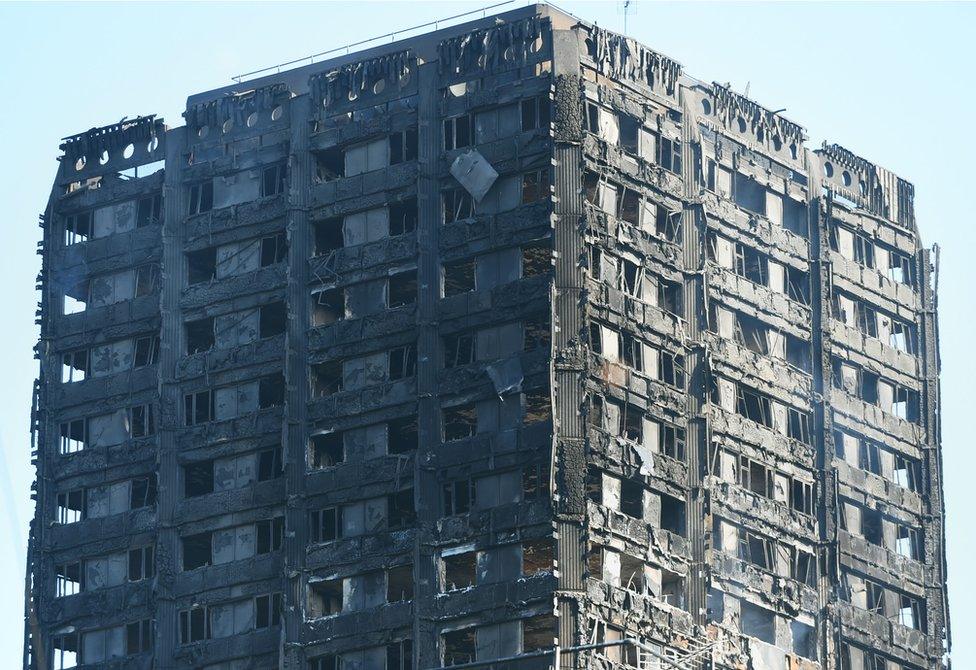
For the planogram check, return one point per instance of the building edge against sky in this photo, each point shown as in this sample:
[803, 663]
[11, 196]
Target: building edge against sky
[647, 368]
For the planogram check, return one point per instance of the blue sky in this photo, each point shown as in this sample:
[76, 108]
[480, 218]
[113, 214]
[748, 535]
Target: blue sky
[891, 82]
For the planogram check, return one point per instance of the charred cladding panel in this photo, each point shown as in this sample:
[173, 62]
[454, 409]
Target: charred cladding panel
[506, 337]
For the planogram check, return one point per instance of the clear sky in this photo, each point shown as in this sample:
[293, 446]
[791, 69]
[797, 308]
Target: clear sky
[891, 82]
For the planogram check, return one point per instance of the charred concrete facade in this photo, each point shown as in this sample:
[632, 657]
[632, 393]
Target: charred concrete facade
[504, 338]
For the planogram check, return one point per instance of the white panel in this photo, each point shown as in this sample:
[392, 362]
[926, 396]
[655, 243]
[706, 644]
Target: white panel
[355, 158]
[774, 207]
[723, 251]
[609, 127]
[119, 495]
[377, 224]
[777, 277]
[845, 243]
[108, 429]
[611, 491]
[377, 154]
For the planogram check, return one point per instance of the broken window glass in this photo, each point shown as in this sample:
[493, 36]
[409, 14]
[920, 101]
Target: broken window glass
[74, 436]
[403, 217]
[201, 197]
[329, 164]
[271, 391]
[274, 180]
[458, 132]
[200, 335]
[142, 422]
[326, 450]
[149, 210]
[198, 478]
[459, 422]
[78, 227]
[328, 306]
[403, 146]
[458, 205]
[403, 362]
[535, 186]
[328, 235]
[75, 366]
[459, 349]
[402, 435]
[274, 249]
[147, 351]
[269, 464]
[459, 277]
[326, 378]
[201, 266]
[402, 289]
[399, 584]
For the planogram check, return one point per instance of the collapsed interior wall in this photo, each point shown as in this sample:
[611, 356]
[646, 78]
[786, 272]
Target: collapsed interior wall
[503, 336]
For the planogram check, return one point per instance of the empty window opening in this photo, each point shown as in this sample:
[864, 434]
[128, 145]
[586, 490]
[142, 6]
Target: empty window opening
[325, 524]
[78, 228]
[459, 349]
[326, 451]
[632, 498]
[457, 204]
[403, 217]
[149, 210]
[274, 249]
[537, 407]
[198, 407]
[403, 362]
[538, 556]
[71, 506]
[460, 422]
[267, 611]
[201, 266]
[201, 197]
[75, 366]
[401, 512]
[194, 625]
[459, 277]
[535, 114]
[141, 563]
[458, 646]
[458, 496]
[402, 435]
[269, 464]
[672, 514]
[402, 289]
[326, 378]
[142, 492]
[198, 479]
[325, 598]
[403, 146]
[328, 236]
[399, 584]
[535, 186]
[328, 306]
[197, 550]
[74, 436]
[758, 622]
[458, 132]
[271, 391]
[147, 351]
[200, 335]
[536, 260]
[274, 180]
[460, 570]
[330, 164]
[70, 578]
[142, 421]
[269, 535]
[272, 319]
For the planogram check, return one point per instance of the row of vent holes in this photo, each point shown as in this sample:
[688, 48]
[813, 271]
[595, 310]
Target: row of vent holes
[378, 87]
[250, 122]
[845, 177]
[777, 142]
[127, 153]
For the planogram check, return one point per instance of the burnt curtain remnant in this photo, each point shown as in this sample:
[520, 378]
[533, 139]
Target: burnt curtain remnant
[502, 339]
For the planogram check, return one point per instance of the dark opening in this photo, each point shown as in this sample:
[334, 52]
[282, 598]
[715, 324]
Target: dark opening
[197, 550]
[459, 277]
[272, 319]
[326, 450]
[328, 235]
[198, 479]
[201, 266]
[403, 288]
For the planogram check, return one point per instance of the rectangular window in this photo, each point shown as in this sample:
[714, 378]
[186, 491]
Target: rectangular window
[269, 464]
[71, 506]
[201, 197]
[274, 180]
[535, 186]
[138, 637]
[142, 492]
[75, 366]
[670, 158]
[271, 391]
[326, 378]
[274, 249]
[200, 335]
[147, 280]
[326, 450]
[459, 278]
[149, 211]
[458, 205]
[401, 510]
[459, 349]
[147, 351]
[70, 579]
[401, 435]
[198, 479]
[403, 362]
[459, 422]
[325, 524]
[458, 132]
[201, 266]
[458, 497]
[142, 422]
[403, 146]
[329, 236]
[198, 408]
[272, 320]
[141, 563]
[193, 625]
[403, 217]
[535, 114]
[74, 436]
[78, 228]
[402, 289]
[267, 611]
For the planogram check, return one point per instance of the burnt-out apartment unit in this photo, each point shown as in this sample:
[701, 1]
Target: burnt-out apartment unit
[510, 345]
